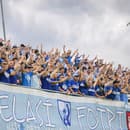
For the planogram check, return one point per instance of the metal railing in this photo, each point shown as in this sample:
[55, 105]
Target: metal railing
[3, 20]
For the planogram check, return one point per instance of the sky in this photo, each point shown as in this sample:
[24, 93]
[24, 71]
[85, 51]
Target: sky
[95, 27]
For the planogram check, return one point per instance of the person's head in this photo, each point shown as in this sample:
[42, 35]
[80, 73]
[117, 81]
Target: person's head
[14, 47]
[125, 82]
[55, 75]
[1, 44]
[7, 48]
[89, 83]
[89, 70]
[84, 69]
[116, 74]
[101, 81]
[11, 63]
[62, 77]
[68, 52]
[63, 55]
[36, 52]
[85, 61]
[28, 68]
[62, 70]
[76, 76]
[75, 68]
[15, 60]
[116, 83]
[4, 65]
[22, 45]
[3, 55]
[96, 64]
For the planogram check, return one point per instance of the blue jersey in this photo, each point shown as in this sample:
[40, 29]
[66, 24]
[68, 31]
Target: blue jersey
[91, 91]
[100, 90]
[53, 85]
[1, 60]
[116, 91]
[61, 60]
[74, 85]
[124, 97]
[4, 77]
[12, 78]
[64, 85]
[61, 74]
[77, 61]
[107, 89]
[69, 59]
[45, 83]
[47, 58]
[83, 87]
[26, 79]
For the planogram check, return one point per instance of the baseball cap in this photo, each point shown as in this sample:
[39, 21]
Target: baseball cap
[75, 74]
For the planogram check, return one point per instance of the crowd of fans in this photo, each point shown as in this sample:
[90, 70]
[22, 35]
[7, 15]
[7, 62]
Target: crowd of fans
[62, 70]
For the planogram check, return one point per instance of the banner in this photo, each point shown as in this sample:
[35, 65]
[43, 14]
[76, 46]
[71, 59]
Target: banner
[128, 120]
[30, 109]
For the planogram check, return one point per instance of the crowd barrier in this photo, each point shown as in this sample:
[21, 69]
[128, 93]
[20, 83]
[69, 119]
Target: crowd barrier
[32, 109]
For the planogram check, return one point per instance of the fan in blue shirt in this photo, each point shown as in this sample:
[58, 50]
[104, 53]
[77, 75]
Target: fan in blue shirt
[54, 84]
[100, 91]
[108, 92]
[91, 88]
[64, 86]
[68, 55]
[74, 84]
[13, 76]
[44, 81]
[83, 87]
[13, 73]
[99, 87]
[26, 76]
[113, 92]
[4, 73]
[116, 90]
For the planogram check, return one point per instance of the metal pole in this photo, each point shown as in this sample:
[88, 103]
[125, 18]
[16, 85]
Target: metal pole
[3, 22]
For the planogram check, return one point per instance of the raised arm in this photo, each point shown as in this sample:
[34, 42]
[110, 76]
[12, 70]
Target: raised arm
[75, 52]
